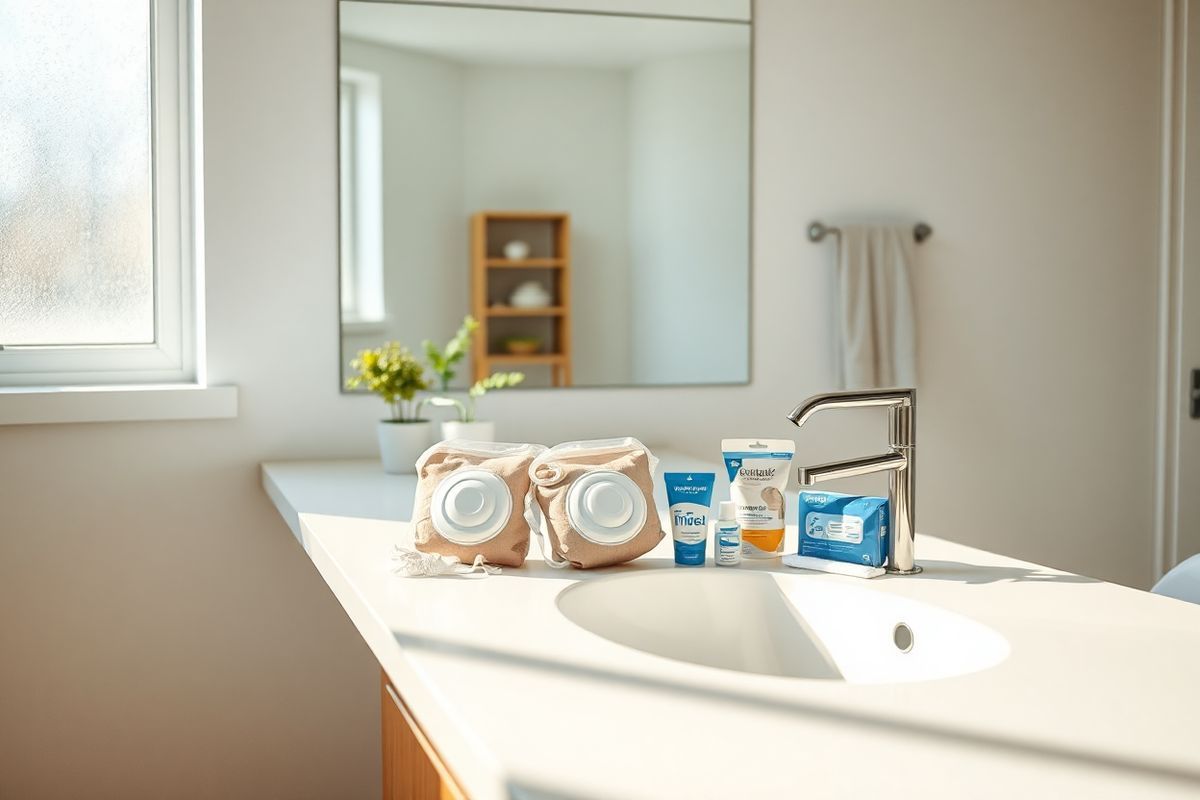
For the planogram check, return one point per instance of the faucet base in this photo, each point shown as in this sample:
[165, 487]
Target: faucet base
[915, 569]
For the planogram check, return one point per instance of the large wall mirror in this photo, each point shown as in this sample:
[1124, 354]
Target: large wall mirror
[579, 183]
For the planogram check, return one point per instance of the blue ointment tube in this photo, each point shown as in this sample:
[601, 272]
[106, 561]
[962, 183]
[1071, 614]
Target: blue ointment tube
[689, 496]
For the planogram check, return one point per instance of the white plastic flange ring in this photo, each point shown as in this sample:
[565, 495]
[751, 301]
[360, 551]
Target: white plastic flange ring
[606, 507]
[546, 474]
[471, 506]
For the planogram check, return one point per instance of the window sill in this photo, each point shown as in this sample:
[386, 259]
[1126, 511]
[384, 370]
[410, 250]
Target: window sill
[36, 405]
[364, 327]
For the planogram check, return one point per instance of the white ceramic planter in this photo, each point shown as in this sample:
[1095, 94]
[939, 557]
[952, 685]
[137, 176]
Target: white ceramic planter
[401, 444]
[473, 431]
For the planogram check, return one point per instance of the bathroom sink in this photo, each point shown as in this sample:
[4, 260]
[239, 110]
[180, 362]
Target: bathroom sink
[793, 626]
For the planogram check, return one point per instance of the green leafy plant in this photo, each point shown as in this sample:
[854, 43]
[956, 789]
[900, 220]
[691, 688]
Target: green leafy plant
[497, 380]
[393, 373]
[466, 411]
[442, 361]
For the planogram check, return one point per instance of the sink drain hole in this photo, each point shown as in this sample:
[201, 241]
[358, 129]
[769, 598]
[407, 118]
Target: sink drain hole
[902, 637]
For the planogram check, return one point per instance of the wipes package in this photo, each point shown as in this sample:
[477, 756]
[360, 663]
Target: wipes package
[758, 476]
[844, 527]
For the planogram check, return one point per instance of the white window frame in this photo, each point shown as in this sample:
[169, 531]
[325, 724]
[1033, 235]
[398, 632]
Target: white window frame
[172, 358]
[360, 184]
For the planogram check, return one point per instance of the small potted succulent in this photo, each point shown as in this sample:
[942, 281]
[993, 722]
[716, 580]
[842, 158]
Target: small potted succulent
[395, 374]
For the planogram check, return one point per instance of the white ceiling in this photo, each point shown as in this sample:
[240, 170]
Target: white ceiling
[503, 36]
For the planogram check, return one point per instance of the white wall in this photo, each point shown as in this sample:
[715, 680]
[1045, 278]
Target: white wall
[1036, 294]
[717, 9]
[426, 277]
[617, 148]
[163, 632]
[689, 137]
[1188, 477]
[556, 140]
[462, 138]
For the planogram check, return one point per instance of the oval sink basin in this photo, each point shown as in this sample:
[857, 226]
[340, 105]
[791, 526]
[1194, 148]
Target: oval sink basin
[778, 624]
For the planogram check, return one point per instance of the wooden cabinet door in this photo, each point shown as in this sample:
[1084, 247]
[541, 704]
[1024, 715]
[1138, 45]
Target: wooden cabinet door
[412, 769]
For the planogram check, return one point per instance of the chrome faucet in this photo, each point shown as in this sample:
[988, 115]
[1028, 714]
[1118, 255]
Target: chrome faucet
[900, 461]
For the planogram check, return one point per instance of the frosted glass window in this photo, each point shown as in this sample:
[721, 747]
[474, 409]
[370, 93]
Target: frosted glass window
[76, 201]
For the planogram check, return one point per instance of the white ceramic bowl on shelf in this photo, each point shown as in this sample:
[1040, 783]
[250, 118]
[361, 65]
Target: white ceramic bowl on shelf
[530, 294]
[516, 250]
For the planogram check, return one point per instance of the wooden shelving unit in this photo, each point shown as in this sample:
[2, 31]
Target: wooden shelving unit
[509, 360]
[493, 277]
[526, 263]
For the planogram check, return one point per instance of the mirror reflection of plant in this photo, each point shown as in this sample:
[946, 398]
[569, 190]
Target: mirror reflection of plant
[497, 380]
[466, 411]
[393, 373]
[442, 361]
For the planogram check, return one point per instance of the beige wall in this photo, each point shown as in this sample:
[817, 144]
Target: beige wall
[162, 632]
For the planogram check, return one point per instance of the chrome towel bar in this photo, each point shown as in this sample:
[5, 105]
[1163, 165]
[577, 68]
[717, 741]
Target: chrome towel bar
[818, 230]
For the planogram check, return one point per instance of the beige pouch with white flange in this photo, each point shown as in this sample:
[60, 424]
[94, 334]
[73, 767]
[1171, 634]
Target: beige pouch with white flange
[595, 500]
[471, 498]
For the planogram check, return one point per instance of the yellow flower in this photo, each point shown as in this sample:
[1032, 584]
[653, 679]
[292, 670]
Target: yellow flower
[391, 372]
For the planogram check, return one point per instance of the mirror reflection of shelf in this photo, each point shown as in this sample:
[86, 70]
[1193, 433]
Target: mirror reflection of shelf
[506, 359]
[547, 235]
[515, 311]
[526, 263]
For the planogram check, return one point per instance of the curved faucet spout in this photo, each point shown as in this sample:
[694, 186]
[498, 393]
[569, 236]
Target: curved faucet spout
[851, 399]
[899, 461]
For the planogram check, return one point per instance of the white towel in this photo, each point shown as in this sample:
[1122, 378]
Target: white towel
[877, 337]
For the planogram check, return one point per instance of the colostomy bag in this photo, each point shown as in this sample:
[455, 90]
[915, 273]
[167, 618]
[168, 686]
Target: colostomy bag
[470, 501]
[596, 501]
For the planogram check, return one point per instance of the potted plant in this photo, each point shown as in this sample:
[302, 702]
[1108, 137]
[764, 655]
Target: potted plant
[395, 374]
[467, 426]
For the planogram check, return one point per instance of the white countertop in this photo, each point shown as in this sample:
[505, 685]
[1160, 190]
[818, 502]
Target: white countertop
[1100, 696]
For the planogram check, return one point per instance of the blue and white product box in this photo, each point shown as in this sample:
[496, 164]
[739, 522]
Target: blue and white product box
[844, 527]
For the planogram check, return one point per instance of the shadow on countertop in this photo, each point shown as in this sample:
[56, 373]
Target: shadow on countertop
[934, 570]
[959, 572]
[781, 704]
